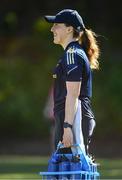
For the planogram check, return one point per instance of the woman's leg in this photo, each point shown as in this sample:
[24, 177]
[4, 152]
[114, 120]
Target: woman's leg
[88, 122]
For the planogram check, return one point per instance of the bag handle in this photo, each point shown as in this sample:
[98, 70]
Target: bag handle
[60, 145]
[85, 159]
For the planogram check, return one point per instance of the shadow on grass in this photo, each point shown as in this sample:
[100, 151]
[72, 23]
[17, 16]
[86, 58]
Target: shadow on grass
[23, 168]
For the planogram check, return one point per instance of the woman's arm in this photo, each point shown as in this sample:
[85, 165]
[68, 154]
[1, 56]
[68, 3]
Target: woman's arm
[73, 91]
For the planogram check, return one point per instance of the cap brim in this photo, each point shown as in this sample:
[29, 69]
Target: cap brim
[50, 19]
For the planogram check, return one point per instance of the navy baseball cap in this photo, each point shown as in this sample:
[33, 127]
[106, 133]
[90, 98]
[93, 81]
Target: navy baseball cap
[67, 16]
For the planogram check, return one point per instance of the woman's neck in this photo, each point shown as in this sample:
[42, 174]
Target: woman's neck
[67, 41]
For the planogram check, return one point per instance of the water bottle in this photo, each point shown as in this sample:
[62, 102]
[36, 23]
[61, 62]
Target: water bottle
[64, 165]
[53, 166]
[85, 162]
[75, 165]
[93, 170]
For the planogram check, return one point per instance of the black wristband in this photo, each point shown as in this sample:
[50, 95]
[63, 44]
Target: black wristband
[66, 125]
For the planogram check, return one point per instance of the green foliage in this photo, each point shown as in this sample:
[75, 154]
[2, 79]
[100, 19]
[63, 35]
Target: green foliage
[107, 98]
[22, 97]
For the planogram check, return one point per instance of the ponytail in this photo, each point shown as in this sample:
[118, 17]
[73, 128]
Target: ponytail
[91, 48]
[89, 44]
[87, 39]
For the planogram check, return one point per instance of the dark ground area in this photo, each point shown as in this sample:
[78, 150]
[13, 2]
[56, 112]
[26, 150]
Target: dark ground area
[43, 147]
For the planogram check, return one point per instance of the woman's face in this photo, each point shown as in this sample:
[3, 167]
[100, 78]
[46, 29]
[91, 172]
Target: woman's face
[60, 32]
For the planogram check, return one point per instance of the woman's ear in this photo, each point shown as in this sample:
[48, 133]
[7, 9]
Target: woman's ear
[70, 29]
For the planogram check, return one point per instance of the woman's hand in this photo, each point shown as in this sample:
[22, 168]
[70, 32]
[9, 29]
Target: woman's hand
[67, 137]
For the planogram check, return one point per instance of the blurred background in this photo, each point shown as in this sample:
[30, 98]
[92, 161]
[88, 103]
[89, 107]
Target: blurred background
[27, 59]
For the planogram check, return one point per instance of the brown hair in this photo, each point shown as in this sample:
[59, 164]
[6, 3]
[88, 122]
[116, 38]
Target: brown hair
[87, 39]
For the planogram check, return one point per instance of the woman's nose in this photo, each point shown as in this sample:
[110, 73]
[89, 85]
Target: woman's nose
[52, 28]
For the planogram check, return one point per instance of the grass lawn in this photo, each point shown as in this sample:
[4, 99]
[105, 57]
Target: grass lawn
[28, 167]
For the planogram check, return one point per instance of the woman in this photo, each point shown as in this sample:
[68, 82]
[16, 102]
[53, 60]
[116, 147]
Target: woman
[73, 78]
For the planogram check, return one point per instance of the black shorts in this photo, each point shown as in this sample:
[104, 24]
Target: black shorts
[59, 121]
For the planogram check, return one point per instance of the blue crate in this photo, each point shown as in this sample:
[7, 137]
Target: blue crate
[91, 174]
[70, 169]
[72, 175]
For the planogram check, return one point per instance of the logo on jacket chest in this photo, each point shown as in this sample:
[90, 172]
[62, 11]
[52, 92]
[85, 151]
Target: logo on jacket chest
[54, 76]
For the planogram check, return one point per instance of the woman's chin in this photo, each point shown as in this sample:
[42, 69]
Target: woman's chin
[55, 41]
